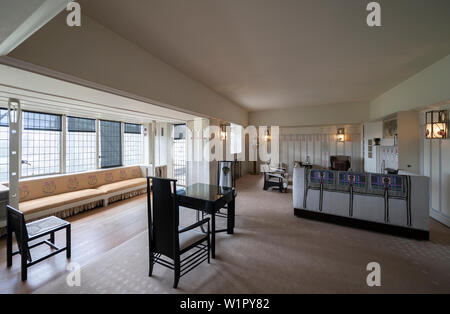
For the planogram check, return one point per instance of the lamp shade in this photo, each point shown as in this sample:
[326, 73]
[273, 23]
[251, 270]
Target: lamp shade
[340, 135]
[436, 124]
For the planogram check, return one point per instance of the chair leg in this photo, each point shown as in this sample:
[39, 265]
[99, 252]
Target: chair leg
[68, 242]
[23, 257]
[209, 244]
[151, 262]
[52, 237]
[176, 272]
[9, 249]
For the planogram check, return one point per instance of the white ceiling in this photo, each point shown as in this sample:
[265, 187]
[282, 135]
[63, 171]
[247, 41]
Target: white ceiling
[266, 54]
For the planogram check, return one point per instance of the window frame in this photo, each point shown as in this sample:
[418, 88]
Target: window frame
[66, 141]
[21, 142]
[141, 143]
[99, 153]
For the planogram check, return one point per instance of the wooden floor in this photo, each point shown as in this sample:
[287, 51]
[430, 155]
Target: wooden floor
[93, 234]
[99, 231]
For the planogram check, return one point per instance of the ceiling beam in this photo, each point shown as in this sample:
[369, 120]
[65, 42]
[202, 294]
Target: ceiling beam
[46, 11]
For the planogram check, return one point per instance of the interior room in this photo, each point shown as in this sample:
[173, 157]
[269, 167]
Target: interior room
[224, 147]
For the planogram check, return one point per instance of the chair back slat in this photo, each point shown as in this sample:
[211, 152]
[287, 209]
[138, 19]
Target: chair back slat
[165, 217]
[16, 225]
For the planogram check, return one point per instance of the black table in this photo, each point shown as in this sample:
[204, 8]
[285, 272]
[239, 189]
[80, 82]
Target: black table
[210, 198]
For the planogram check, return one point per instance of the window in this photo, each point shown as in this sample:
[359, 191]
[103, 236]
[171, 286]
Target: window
[110, 144]
[133, 144]
[41, 143]
[81, 145]
[235, 139]
[4, 145]
[179, 153]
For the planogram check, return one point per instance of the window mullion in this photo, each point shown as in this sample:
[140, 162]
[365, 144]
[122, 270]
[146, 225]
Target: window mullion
[63, 145]
[122, 137]
[97, 133]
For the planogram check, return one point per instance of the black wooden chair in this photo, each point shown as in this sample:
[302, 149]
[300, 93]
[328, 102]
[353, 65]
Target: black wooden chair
[32, 231]
[167, 238]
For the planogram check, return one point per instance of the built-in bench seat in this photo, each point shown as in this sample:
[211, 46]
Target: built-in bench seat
[122, 185]
[55, 201]
[66, 195]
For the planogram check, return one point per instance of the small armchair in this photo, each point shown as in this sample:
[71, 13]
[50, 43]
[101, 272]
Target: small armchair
[32, 231]
[275, 176]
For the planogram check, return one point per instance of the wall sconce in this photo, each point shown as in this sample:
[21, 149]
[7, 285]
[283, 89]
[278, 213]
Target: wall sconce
[267, 136]
[436, 124]
[223, 132]
[340, 135]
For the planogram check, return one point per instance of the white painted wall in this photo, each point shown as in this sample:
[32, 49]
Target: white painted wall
[409, 134]
[435, 163]
[371, 130]
[319, 143]
[428, 87]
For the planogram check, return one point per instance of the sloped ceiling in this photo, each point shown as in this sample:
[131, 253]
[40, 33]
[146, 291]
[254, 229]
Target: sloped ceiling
[270, 54]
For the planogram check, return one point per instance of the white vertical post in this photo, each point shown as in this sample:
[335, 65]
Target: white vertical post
[97, 142]
[15, 125]
[63, 145]
[122, 138]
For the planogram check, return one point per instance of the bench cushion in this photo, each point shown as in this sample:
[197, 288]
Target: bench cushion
[40, 204]
[122, 185]
[31, 189]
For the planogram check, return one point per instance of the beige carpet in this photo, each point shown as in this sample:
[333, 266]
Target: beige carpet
[272, 251]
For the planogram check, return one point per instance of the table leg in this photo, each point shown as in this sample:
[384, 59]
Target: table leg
[230, 217]
[9, 248]
[213, 234]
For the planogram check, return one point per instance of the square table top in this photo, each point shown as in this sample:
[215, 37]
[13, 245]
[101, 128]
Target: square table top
[206, 192]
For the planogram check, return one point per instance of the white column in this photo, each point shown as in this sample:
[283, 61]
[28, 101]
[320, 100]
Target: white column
[15, 127]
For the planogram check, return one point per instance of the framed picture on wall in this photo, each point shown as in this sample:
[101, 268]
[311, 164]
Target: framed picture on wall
[390, 128]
